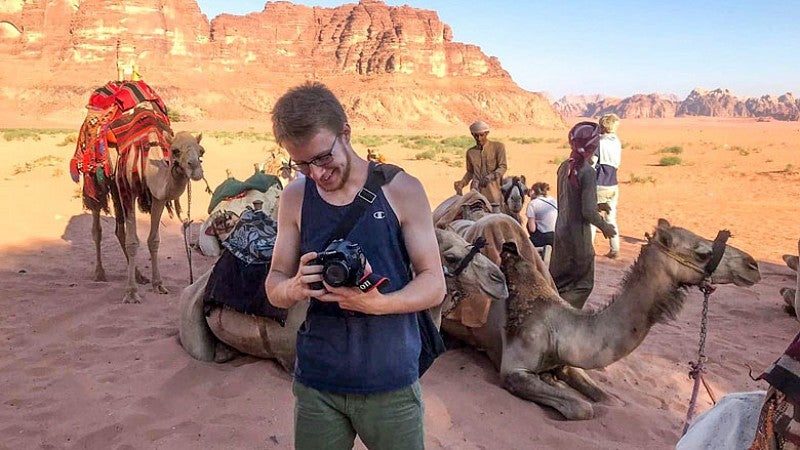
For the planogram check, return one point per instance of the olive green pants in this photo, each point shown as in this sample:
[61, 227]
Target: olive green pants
[384, 420]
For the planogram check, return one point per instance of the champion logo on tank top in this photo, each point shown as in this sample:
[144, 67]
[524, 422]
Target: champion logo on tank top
[379, 215]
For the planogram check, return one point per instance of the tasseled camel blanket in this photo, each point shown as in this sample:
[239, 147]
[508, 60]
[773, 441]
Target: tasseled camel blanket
[498, 230]
[106, 104]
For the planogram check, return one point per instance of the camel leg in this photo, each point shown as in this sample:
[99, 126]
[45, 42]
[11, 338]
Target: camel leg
[797, 289]
[579, 380]
[153, 241]
[546, 390]
[131, 248]
[119, 230]
[97, 234]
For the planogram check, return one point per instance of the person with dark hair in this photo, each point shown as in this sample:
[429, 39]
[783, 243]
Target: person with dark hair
[357, 366]
[572, 262]
[542, 213]
[486, 165]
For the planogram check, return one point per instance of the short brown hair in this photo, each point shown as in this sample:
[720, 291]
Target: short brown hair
[609, 123]
[304, 110]
[540, 188]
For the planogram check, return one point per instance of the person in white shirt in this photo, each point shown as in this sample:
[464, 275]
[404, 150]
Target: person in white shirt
[542, 213]
[609, 156]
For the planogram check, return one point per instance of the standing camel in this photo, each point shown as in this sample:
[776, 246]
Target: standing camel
[153, 168]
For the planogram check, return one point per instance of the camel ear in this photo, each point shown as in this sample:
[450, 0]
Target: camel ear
[663, 235]
[663, 223]
[199, 137]
[524, 182]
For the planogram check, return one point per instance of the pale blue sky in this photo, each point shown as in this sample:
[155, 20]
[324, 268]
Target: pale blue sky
[620, 48]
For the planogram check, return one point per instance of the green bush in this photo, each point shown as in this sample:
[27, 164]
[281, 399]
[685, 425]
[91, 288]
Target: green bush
[71, 138]
[675, 150]
[173, 115]
[429, 154]
[636, 179]
[369, 140]
[670, 161]
[22, 134]
[557, 160]
[530, 140]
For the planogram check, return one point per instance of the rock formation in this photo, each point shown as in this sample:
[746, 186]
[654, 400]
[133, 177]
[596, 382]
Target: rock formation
[700, 102]
[385, 62]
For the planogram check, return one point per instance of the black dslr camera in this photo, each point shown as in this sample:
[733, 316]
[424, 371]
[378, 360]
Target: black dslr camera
[343, 264]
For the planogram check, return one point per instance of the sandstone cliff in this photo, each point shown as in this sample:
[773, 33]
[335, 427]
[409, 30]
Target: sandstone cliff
[385, 62]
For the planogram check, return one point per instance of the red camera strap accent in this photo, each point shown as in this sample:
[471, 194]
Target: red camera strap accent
[371, 282]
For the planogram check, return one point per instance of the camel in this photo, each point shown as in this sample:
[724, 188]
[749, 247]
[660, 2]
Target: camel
[514, 191]
[164, 177]
[541, 345]
[224, 332]
[791, 296]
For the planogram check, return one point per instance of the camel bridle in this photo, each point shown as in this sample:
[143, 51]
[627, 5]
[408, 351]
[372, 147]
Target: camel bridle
[697, 368]
[457, 295]
[717, 250]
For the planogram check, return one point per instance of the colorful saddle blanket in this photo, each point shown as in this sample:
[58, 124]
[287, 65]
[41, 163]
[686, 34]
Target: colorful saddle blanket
[107, 104]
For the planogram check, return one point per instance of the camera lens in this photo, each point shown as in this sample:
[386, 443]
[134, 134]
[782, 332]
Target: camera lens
[336, 274]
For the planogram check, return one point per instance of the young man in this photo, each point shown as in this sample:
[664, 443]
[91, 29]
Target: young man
[486, 164]
[572, 263]
[357, 352]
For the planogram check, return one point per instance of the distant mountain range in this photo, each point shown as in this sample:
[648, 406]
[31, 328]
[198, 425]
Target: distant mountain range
[700, 102]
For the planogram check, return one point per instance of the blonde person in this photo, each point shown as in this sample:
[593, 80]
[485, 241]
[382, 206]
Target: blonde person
[486, 164]
[609, 156]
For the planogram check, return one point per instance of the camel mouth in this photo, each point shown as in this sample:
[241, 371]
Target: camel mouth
[746, 281]
[196, 175]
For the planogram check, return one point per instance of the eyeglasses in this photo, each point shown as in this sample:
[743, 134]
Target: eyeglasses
[319, 160]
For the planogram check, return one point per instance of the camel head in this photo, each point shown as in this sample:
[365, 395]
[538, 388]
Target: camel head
[480, 277]
[186, 152]
[514, 190]
[685, 256]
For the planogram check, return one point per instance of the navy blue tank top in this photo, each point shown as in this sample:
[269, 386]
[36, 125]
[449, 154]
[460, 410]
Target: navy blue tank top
[345, 352]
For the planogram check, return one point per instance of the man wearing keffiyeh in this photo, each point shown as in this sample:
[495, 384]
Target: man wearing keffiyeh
[572, 262]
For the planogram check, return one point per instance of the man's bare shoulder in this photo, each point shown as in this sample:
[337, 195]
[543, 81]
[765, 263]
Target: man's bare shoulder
[292, 195]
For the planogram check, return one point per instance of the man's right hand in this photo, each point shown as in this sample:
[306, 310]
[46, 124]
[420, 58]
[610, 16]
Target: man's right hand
[459, 187]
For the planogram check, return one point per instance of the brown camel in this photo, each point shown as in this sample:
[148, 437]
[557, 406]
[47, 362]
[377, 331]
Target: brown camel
[541, 345]
[214, 337]
[791, 296]
[155, 183]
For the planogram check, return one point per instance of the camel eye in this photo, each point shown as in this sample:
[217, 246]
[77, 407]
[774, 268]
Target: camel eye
[451, 258]
[703, 252]
[176, 151]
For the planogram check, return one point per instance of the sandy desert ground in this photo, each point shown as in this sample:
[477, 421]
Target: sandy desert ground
[79, 369]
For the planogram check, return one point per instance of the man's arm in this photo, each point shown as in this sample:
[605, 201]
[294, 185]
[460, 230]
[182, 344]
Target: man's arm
[502, 166]
[531, 214]
[470, 171]
[286, 284]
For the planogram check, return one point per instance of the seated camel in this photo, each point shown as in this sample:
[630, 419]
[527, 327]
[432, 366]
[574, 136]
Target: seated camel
[469, 276]
[541, 345]
[514, 191]
[791, 296]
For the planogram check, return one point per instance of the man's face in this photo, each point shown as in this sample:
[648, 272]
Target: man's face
[323, 158]
[481, 138]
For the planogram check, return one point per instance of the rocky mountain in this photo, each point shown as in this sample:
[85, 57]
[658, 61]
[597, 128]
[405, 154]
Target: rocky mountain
[700, 102]
[384, 62]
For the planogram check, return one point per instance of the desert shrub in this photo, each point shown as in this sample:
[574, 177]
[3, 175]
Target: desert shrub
[44, 161]
[527, 140]
[554, 141]
[247, 135]
[743, 151]
[557, 160]
[790, 169]
[369, 140]
[675, 150]
[670, 161]
[429, 154]
[630, 146]
[636, 179]
[461, 142]
[173, 115]
[69, 139]
[21, 134]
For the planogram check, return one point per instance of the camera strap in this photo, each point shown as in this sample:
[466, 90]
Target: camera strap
[379, 174]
